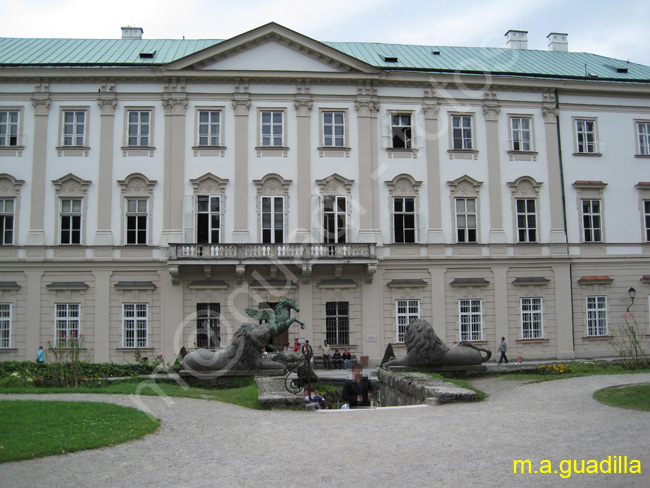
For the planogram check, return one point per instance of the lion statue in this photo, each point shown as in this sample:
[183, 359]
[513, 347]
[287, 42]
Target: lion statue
[425, 349]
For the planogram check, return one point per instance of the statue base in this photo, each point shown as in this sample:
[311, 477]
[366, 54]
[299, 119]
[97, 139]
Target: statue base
[230, 373]
[440, 369]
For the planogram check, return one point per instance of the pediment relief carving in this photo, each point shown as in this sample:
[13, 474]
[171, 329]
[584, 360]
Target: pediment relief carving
[209, 184]
[71, 185]
[335, 184]
[272, 184]
[403, 184]
[137, 183]
[465, 185]
[9, 185]
[525, 186]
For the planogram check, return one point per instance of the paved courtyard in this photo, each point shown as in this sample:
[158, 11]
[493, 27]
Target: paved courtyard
[208, 444]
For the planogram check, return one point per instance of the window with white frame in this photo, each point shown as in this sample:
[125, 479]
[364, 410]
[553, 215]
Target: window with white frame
[521, 131]
[466, 220]
[337, 323]
[67, 322]
[335, 215]
[531, 318]
[9, 120]
[526, 219]
[272, 128]
[139, 128]
[5, 325]
[592, 221]
[208, 219]
[272, 219]
[333, 129]
[136, 220]
[597, 316]
[209, 128]
[646, 219]
[406, 311]
[208, 327]
[404, 220]
[586, 142]
[643, 134]
[470, 313]
[74, 128]
[7, 220]
[70, 219]
[135, 325]
[461, 132]
[401, 131]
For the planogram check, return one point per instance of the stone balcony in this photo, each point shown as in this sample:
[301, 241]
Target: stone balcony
[302, 255]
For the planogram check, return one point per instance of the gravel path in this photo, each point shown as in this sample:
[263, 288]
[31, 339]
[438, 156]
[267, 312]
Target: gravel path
[208, 444]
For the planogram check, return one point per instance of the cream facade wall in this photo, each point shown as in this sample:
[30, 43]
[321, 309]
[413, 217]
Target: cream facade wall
[171, 274]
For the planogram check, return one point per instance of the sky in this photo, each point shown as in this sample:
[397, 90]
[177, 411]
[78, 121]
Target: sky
[617, 29]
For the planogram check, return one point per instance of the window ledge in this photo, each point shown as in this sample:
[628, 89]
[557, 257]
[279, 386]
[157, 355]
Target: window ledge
[522, 155]
[263, 151]
[588, 154]
[134, 349]
[479, 343]
[334, 151]
[594, 338]
[8, 349]
[539, 340]
[402, 152]
[73, 150]
[462, 154]
[11, 150]
[209, 150]
[642, 156]
[138, 150]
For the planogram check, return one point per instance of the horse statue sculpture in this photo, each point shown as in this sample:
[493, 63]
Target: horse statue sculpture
[243, 351]
[425, 349]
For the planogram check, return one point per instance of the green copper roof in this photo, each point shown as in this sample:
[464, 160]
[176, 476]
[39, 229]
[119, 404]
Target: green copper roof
[65, 53]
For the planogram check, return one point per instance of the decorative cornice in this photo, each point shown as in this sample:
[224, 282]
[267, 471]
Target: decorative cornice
[491, 112]
[71, 185]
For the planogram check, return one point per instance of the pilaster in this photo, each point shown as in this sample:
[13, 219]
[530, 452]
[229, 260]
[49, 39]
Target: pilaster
[41, 102]
[107, 101]
[491, 111]
[241, 104]
[174, 102]
[431, 109]
[303, 105]
[102, 315]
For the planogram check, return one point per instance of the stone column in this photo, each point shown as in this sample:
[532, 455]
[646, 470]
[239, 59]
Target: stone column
[431, 110]
[107, 102]
[242, 104]
[369, 229]
[491, 111]
[175, 105]
[557, 233]
[303, 106]
[36, 234]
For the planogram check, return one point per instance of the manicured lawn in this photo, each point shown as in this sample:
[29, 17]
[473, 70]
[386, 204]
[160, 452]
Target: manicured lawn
[636, 397]
[571, 369]
[31, 429]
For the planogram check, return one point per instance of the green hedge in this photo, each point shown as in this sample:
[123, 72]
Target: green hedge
[46, 371]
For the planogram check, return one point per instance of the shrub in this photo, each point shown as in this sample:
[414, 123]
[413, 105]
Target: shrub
[628, 342]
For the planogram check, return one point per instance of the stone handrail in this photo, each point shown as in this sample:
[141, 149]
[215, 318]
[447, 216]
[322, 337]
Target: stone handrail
[279, 251]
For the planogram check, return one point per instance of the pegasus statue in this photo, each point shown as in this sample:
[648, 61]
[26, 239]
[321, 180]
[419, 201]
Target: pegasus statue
[243, 351]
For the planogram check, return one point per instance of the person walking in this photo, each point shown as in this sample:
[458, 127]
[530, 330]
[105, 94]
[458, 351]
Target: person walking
[503, 347]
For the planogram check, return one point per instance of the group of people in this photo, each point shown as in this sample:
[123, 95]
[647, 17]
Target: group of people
[336, 360]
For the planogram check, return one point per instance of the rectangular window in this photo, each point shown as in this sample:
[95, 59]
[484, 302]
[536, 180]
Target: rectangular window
[337, 323]
[471, 319]
[5, 325]
[139, 128]
[67, 322]
[526, 219]
[7, 219]
[404, 218]
[531, 318]
[135, 324]
[334, 129]
[334, 218]
[8, 128]
[643, 133]
[273, 220]
[208, 219]
[586, 136]
[272, 125]
[209, 128]
[406, 311]
[401, 131]
[466, 228]
[461, 132]
[70, 220]
[596, 316]
[521, 133]
[591, 221]
[646, 218]
[208, 328]
[74, 128]
[137, 218]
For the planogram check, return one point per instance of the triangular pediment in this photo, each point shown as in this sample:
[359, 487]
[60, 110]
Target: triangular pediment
[271, 47]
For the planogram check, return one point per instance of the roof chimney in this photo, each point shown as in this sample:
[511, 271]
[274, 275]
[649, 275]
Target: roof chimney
[517, 39]
[132, 32]
[558, 42]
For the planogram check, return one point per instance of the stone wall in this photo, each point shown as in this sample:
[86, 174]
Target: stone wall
[413, 388]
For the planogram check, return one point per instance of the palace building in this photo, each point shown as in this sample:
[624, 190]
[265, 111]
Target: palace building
[151, 190]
